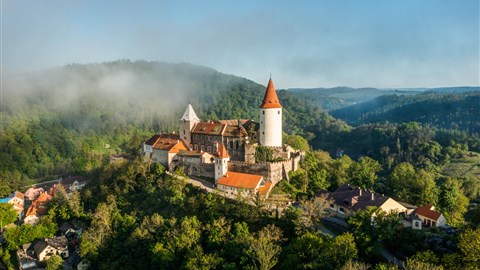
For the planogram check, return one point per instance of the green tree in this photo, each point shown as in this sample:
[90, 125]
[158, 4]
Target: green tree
[263, 154]
[196, 259]
[265, 247]
[452, 202]
[55, 263]
[7, 215]
[340, 170]
[364, 172]
[469, 245]
[413, 186]
[297, 142]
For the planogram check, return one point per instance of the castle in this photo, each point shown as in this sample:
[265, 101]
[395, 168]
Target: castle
[224, 150]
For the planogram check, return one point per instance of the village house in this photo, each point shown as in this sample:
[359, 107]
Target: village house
[26, 257]
[163, 148]
[212, 149]
[245, 185]
[32, 194]
[347, 200]
[37, 209]
[428, 217]
[44, 249]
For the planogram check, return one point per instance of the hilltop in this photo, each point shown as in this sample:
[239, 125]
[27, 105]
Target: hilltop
[447, 108]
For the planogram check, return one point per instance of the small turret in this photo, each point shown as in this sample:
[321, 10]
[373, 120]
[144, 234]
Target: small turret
[187, 122]
[221, 161]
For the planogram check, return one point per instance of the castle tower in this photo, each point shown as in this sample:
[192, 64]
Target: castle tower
[271, 118]
[187, 122]
[221, 161]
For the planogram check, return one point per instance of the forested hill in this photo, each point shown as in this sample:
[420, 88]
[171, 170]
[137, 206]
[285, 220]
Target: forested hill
[443, 109]
[60, 120]
[340, 97]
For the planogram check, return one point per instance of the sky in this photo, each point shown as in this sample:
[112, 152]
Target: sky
[370, 43]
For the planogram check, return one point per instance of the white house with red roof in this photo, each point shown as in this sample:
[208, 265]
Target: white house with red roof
[233, 184]
[429, 217]
[163, 148]
[37, 209]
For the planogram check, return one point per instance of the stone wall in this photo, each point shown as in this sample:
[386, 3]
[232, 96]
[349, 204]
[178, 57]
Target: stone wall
[250, 153]
[271, 171]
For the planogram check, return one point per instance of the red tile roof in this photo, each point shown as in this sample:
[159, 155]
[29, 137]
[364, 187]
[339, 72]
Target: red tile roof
[39, 206]
[427, 211]
[222, 151]
[209, 128]
[271, 99]
[235, 131]
[169, 142]
[233, 122]
[240, 180]
[265, 189]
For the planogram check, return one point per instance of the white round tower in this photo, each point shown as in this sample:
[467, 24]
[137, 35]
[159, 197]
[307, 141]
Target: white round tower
[271, 118]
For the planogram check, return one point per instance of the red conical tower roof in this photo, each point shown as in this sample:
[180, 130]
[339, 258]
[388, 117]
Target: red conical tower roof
[222, 152]
[270, 100]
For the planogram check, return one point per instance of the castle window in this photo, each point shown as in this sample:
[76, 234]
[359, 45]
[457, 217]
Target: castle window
[263, 112]
[202, 147]
[342, 210]
[231, 145]
[209, 149]
[263, 132]
[195, 147]
[184, 132]
[278, 111]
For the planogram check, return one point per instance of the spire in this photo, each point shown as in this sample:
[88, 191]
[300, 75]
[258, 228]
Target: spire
[221, 151]
[189, 114]
[270, 100]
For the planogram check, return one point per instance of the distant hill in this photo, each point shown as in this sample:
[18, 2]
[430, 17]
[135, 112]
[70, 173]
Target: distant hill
[442, 107]
[340, 97]
[337, 98]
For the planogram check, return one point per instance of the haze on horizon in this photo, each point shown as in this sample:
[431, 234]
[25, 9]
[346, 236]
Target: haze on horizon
[386, 44]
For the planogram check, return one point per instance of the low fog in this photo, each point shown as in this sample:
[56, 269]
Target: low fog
[157, 87]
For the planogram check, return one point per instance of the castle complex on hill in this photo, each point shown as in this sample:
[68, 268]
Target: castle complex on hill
[224, 150]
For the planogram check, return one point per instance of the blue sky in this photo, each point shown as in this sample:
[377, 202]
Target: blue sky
[379, 43]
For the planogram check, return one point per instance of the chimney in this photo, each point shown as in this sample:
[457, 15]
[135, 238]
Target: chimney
[360, 192]
[373, 196]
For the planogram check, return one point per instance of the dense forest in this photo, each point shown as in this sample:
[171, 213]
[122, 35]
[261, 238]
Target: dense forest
[441, 109]
[68, 120]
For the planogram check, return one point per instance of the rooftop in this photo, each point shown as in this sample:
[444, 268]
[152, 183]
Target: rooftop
[355, 198]
[428, 211]
[240, 180]
[271, 99]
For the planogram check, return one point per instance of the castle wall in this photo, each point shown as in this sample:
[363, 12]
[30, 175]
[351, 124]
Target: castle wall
[250, 153]
[271, 171]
